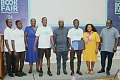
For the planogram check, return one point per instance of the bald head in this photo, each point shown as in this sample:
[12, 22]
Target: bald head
[109, 23]
[61, 23]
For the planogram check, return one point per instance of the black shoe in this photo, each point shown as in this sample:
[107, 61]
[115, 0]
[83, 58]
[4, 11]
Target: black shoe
[10, 74]
[65, 72]
[13, 71]
[24, 74]
[18, 74]
[74, 57]
[58, 72]
[30, 71]
[40, 73]
[49, 73]
[78, 72]
[108, 73]
[101, 71]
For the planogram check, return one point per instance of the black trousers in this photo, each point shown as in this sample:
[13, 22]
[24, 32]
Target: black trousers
[72, 54]
[10, 61]
[104, 55]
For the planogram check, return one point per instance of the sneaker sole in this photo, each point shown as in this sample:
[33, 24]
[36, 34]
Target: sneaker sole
[50, 75]
[18, 76]
[40, 75]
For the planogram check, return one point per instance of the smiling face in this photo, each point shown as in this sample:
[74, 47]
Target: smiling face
[33, 22]
[9, 23]
[19, 25]
[89, 28]
[76, 23]
[44, 21]
[108, 23]
[61, 23]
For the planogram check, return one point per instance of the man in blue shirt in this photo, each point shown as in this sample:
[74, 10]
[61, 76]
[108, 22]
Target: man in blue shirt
[109, 41]
[62, 46]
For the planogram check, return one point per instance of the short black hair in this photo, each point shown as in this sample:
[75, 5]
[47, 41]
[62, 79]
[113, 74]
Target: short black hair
[7, 20]
[32, 19]
[93, 28]
[75, 20]
[17, 21]
[110, 20]
[43, 18]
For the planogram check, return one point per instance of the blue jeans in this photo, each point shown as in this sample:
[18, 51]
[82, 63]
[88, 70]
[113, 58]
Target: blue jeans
[64, 56]
[104, 55]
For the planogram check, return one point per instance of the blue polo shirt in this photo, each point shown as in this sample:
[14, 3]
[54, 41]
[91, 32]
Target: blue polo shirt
[108, 36]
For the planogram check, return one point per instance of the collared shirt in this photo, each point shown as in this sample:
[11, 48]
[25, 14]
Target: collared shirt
[61, 39]
[18, 37]
[108, 36]
[75, 34]
[44, 34]
[8, 36]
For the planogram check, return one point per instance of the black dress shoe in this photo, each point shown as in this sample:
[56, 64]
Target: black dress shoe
[108, 73]
[78, 72]
[40, 73]
[49, 73]
[65, 72]
[18, 74]
[58, 72]
[10, 74]
[30, 71]
[13, 71]
[101, 71]
[24, 74]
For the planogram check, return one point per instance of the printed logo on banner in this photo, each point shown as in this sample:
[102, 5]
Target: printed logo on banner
[117, 6]
[9, 7]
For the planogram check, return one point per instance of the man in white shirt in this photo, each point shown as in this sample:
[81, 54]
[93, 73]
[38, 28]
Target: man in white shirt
[10, 59]
[45, 35]
[75, 33]
[18, 45]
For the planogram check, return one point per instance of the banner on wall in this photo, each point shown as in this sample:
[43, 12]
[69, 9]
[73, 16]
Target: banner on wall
[13, 9]
[114, 12]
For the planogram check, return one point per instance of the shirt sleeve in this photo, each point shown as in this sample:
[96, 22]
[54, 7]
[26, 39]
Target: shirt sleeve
[97, 37]
[54, 36]
[117, 35]
[101, 33]
[51, 32]
[82, 33]
[37, 32]
[26, 30]
[6, 34]
[69, 34]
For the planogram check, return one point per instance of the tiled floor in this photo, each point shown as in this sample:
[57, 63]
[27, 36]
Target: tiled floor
[115, 67]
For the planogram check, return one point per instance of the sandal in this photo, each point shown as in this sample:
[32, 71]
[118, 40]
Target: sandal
[87, 72]
[91, 72]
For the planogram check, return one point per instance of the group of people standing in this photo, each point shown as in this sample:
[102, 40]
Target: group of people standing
[37, 41]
